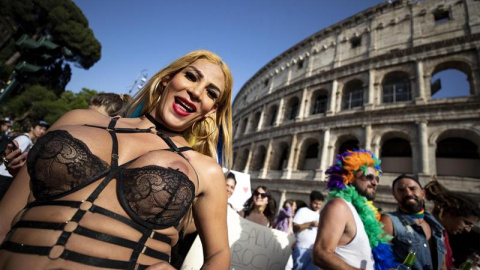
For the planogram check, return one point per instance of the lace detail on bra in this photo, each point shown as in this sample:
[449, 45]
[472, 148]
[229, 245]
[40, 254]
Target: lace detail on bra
[157, 195]
[59, 163]
[153, 196]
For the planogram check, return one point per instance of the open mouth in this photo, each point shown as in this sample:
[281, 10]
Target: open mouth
[189, 107]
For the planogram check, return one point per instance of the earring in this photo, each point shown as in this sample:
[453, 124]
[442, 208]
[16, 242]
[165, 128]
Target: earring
[208, 125]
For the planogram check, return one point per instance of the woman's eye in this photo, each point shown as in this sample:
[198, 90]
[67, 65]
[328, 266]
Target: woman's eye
[190, 76]
[212, 94]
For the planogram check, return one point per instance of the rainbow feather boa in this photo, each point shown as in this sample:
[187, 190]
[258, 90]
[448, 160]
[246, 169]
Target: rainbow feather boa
[381, 249]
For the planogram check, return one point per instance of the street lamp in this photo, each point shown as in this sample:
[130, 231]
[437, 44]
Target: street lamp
[139, 81]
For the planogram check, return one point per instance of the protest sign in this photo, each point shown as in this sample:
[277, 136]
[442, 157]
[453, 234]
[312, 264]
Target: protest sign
[242, 192]
[252, 246]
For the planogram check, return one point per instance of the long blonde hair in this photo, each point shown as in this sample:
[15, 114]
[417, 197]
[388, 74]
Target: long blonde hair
[151, 93]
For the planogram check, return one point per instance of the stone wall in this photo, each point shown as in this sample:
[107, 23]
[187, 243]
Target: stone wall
[366, 82]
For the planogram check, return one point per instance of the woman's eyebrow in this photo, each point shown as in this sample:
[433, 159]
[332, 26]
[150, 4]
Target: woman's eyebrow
[200, 74]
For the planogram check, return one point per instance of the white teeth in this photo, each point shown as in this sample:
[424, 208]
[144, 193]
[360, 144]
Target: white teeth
[190, 109]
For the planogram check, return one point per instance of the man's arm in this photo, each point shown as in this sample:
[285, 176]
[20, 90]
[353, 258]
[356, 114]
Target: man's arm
[387, 224]
[300, 227]
[333, 221]
[444, 263]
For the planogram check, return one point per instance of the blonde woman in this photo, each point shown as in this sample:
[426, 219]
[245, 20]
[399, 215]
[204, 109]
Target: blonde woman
[101, 192]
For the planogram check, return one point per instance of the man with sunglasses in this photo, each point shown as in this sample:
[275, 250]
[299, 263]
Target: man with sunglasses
[348, 221]
[305, 223]
[413, 228]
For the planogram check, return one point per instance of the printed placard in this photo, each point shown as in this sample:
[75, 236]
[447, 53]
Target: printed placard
[252, 246]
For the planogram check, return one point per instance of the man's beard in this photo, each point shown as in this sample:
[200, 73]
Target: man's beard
[364, 193]
[411, 208]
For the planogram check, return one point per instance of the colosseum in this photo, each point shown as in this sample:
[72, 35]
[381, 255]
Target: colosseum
[367, 82]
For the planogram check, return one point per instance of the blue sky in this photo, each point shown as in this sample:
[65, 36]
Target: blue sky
[247, 34]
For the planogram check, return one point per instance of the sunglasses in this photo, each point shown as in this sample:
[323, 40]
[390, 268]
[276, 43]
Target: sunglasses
[263, 195]
[370, 177]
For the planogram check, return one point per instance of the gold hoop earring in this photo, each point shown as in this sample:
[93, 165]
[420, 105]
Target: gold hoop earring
[209, 127]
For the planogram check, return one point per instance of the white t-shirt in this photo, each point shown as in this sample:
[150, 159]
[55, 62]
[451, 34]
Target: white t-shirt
[24, 144]
[306, 238]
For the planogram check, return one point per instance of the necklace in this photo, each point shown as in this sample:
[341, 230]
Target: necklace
[159, 126]
[418, 216]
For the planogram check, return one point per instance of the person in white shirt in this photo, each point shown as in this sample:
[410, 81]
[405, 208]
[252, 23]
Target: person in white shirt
[305, 225]
[24, 142]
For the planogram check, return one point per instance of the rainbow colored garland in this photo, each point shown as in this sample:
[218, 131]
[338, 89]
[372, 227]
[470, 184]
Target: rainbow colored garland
[341, 175]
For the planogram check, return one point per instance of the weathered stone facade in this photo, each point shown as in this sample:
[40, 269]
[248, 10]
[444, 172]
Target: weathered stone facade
[365, 82]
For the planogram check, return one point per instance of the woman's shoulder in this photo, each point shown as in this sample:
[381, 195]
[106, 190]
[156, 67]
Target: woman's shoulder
[210, 173]
[204, 163]
[80, 117]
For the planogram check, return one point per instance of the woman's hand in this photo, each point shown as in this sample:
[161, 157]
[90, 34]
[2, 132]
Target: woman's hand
[16, 159]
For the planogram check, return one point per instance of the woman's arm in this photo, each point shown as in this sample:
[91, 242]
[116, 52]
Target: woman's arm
[18, 193]
[14, 201]
[285, 213]
[210, 215]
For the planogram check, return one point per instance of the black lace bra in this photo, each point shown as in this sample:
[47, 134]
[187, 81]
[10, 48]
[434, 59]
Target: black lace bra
[154, 197]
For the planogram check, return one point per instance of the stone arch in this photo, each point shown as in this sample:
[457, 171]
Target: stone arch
[353, 94]
[309, 155]
[457, 152]
[460, 62]
[280, 156]
[390, 134]
[346, 142]
[292, 108]
[453, 63]
[396, 87]
[255, 121]
[271, 116]
[463, 132]
[319, 102]
[244, 125]
[396, 152]
[235, 128]
[242, 160]
[258, 158]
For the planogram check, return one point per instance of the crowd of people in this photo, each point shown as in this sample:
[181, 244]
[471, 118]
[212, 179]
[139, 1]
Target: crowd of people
[349, 232]
[139, 178]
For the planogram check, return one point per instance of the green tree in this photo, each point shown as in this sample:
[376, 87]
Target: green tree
[37, 102]
[61, 19]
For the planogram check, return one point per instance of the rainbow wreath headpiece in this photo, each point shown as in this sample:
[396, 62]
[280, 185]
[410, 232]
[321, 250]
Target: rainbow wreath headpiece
[341, 175]
[348, 164]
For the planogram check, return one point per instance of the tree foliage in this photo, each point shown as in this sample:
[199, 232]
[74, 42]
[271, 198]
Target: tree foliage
[44, 96]
[37, 102]
[62, 19]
